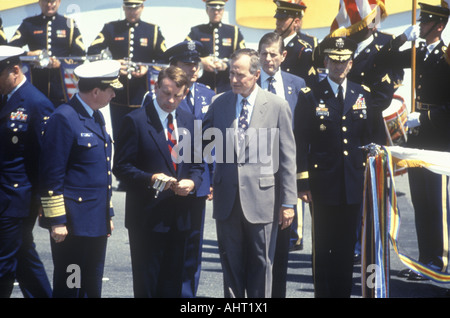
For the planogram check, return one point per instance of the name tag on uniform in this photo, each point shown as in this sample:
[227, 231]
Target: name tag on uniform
[322, 110]
[86, 134]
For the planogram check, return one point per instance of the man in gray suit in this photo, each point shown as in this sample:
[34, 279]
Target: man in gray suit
[254, 180]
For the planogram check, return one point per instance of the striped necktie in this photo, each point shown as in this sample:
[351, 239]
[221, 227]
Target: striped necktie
[171, 140]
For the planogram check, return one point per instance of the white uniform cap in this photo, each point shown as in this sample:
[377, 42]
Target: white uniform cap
[105, 71]
[7, 52]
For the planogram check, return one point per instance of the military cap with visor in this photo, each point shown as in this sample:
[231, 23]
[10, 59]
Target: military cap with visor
[100, 72]
[339, 49]
[286, 9]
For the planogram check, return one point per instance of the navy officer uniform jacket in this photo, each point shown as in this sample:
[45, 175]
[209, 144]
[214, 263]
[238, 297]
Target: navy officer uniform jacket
[139, 42]
[220, 41]
[141, 151]
[22, 120]
[329, 160]
[75, 172]
[58, 35]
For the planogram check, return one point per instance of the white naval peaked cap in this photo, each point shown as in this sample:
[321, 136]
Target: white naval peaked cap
[9, 55]
[105, 71]
[7, 51]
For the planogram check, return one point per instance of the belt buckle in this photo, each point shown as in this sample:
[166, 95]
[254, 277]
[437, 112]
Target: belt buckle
[422, 106]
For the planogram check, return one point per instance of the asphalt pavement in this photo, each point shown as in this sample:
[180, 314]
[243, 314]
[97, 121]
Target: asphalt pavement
[118, 279]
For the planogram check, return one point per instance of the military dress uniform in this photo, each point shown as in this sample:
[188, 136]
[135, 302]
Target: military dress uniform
[138, 42]
[428, 190]
[76, 189]
[298, 59]
[299, 46]
[220, 41]
[383, 80]
[60, 37]
[331, 165]
[22, 118]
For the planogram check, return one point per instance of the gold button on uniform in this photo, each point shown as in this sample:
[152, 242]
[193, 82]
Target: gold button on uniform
[344, 128]
[345, 153]
[80, 199]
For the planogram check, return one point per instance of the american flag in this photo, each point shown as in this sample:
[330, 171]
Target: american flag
[70, 81]
[354, 15]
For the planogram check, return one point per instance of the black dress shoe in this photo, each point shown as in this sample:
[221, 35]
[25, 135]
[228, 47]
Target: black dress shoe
[405, 273]
[416, 277]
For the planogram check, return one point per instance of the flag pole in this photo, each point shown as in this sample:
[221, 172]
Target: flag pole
[413, 60]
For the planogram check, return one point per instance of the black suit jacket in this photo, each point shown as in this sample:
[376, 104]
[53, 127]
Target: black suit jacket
[141, 151]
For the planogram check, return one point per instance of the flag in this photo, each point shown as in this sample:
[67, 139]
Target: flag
[70, 81]
[355, 15]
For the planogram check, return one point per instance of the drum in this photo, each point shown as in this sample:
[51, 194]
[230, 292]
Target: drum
[395, 117]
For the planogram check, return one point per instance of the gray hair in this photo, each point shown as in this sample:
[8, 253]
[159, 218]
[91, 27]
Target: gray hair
[255, 64]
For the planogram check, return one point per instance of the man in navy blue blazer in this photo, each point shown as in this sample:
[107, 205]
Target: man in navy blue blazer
[75, 180]
[287, 86]
[155, 145]
[186, 55]
[22, 117]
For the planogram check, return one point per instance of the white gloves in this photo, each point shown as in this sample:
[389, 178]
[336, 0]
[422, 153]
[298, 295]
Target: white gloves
[413, 120]
[412, 32]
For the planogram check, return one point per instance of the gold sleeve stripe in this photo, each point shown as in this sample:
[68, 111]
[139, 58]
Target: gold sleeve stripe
[79, 42]
[71, 32]
[236, 33]
[163, 46]
[100, 39]
[53, 206]
[16, 36]
[303, 175]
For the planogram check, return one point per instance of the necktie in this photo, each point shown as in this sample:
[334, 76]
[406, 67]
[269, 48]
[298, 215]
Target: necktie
[243, 118]
[3, 101]
[271, 87]
[189, 101]
[171, 140]
[243, 125]
[98, 118]
[341, 97]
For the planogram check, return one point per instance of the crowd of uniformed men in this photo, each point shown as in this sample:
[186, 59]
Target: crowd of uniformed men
[56, 156]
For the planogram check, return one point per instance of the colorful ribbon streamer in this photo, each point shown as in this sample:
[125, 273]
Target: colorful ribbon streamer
[381, 224]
